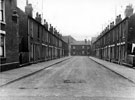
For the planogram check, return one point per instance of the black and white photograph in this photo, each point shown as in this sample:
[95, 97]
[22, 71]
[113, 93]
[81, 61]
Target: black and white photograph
[67, 49]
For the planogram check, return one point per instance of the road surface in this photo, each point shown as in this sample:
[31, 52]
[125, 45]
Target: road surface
[78, 78]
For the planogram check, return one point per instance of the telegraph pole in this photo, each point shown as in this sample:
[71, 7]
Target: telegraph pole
[42, 12]
[27, 2]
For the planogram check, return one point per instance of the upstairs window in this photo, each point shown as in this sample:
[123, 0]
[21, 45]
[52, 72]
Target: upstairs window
[2, 11]
[38, 34]
[31, 29]
[82, 47]
[113, 36]
[73, 47]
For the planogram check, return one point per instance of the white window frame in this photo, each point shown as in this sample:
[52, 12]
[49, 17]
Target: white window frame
[3, 33]
[2, 20]
[133, 46]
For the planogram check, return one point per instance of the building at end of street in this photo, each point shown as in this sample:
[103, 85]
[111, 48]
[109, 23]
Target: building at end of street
[80, 48]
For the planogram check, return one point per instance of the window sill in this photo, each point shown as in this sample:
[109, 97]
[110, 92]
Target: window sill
[2, 32]
[3, 22]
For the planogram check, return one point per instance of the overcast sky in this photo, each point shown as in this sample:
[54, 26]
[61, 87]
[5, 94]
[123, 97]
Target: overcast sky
[79, 18]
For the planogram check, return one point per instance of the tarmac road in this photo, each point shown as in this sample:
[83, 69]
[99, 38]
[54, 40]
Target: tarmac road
[78, 78]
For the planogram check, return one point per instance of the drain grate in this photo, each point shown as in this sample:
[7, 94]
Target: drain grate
[74, 81]
[27, 88]
[22, 88]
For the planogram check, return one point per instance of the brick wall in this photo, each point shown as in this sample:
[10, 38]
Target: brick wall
[11, 33]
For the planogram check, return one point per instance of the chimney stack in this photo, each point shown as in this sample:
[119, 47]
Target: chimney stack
[51, 29]
[46, 24]
[29, 9]
[129, 11]
[85, 41]
[118, 19]
[15, 2]
[38, 17]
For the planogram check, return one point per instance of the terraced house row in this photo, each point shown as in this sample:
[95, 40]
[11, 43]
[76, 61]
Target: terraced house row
[117, 42]
[24, 39]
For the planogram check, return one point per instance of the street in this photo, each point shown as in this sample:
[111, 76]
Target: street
[78, 78]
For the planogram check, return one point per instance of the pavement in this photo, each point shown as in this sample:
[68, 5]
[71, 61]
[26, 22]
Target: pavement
[124, 71]
[16, 74]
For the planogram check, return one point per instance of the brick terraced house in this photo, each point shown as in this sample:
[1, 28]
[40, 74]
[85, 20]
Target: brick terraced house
[117, 42]
[9, 48]
[80, 48]
[24, 40]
